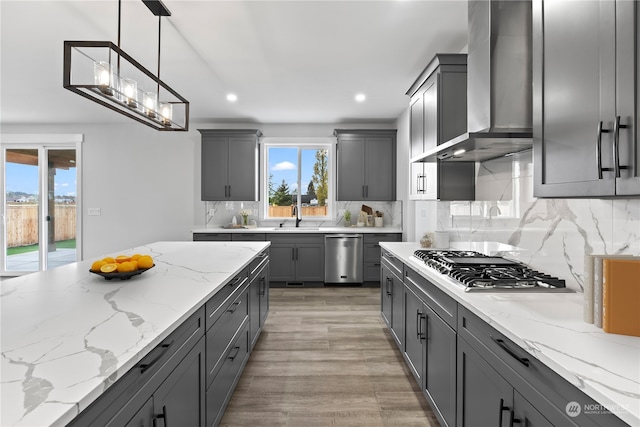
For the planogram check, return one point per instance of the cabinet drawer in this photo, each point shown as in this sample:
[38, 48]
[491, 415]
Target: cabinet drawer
[248, 237]
[220, 391]
[445, 306]
[284, 237]
[258, 263]
[219, 336]
[371, 252]
[145, 377]
[371, 272]
[394, 264]
[381, 237]
[221, 301]
[532, 378]
[211, 237]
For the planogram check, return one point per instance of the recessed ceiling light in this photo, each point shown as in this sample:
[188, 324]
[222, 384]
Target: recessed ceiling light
[232, 97]
[360, 97]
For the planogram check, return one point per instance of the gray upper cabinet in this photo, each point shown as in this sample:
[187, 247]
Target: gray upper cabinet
[585, 103]
[230, 164]
[366, 164]
[438, 113]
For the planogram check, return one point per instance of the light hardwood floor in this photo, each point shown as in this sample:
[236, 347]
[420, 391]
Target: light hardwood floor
[325, 358]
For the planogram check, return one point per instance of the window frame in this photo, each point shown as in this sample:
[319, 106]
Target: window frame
[300, 144]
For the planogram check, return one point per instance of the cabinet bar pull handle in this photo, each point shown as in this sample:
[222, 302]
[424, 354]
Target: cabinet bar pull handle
[233, 309]
[599, 150]
[418, 324]
[163, 416]
[511, 353]
[145, 366]
[263, 287]
[513, 420]
[388, 288]
[237, 349]
[616, 146]
[502, 409]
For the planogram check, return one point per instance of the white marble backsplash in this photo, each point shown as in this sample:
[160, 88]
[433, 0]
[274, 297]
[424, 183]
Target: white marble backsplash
[553, 235]
[221, 213]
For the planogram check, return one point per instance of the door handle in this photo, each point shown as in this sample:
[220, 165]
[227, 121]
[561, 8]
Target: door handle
[616, 146]
[502, 409]
[601, 130]
[511, 353]
[162, 416]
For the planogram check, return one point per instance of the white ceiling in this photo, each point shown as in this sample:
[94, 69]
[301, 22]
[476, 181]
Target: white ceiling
[287, 61]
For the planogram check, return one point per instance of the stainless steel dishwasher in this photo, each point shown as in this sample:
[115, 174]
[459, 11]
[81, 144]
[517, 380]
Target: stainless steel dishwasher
[343, 258]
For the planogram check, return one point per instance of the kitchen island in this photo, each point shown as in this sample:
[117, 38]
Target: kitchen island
[68, 335]
[550, 327]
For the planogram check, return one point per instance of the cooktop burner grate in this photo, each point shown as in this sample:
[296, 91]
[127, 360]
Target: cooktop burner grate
[476, 271]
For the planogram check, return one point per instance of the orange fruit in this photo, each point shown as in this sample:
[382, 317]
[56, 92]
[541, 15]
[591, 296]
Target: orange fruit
[135, 257]
[135, 264]
[109, 260]
[125, 267]
[97, 264]
[123, 258]
[109, 268]
[145, 261]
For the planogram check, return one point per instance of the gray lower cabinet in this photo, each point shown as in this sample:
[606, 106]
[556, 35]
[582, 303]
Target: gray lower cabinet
[230, 164]
[211, 237]
[228, 237]
[296, 258]
[471, 374]
[366, 165]
[392, 295]
[258, 297]
[586, 142]
[188, 379]
[372, 254]
[430, 343]
[154, 387]
[499, 381]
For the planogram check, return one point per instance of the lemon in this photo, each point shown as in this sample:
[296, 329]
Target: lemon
[109, 268]
[109, 260]
[125, 267]
[97, 264]
[145, 261]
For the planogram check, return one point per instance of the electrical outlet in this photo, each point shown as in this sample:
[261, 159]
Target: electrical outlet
[212, 212]
[93, 212]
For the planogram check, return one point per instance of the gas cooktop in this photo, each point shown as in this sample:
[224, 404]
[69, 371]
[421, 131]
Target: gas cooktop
[478, 272]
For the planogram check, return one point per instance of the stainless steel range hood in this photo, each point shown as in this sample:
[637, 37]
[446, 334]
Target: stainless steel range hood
[499, 92]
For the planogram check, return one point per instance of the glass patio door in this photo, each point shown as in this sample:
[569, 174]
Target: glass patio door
[39, 208]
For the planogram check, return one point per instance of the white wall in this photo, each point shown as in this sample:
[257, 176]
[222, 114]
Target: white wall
[141, 179]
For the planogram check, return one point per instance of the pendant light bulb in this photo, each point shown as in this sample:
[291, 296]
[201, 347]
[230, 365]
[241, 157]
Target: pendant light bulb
[103, 76]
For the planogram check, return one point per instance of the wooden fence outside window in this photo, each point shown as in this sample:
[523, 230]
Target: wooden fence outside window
[22, 221]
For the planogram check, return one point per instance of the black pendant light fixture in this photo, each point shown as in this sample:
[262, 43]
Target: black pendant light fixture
[104, 73]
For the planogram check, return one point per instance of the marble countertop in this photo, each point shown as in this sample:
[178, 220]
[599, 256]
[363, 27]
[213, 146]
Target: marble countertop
[549, 326]
[301, 229]
[67, 333]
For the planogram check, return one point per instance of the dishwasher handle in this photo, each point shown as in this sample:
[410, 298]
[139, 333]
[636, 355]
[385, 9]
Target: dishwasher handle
[343, 236]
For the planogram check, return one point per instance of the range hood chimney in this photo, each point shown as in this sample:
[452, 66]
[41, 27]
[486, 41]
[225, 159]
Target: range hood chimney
[499, 89]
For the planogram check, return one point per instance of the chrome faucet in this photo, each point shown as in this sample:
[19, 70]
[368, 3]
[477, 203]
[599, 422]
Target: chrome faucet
[294, 212]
